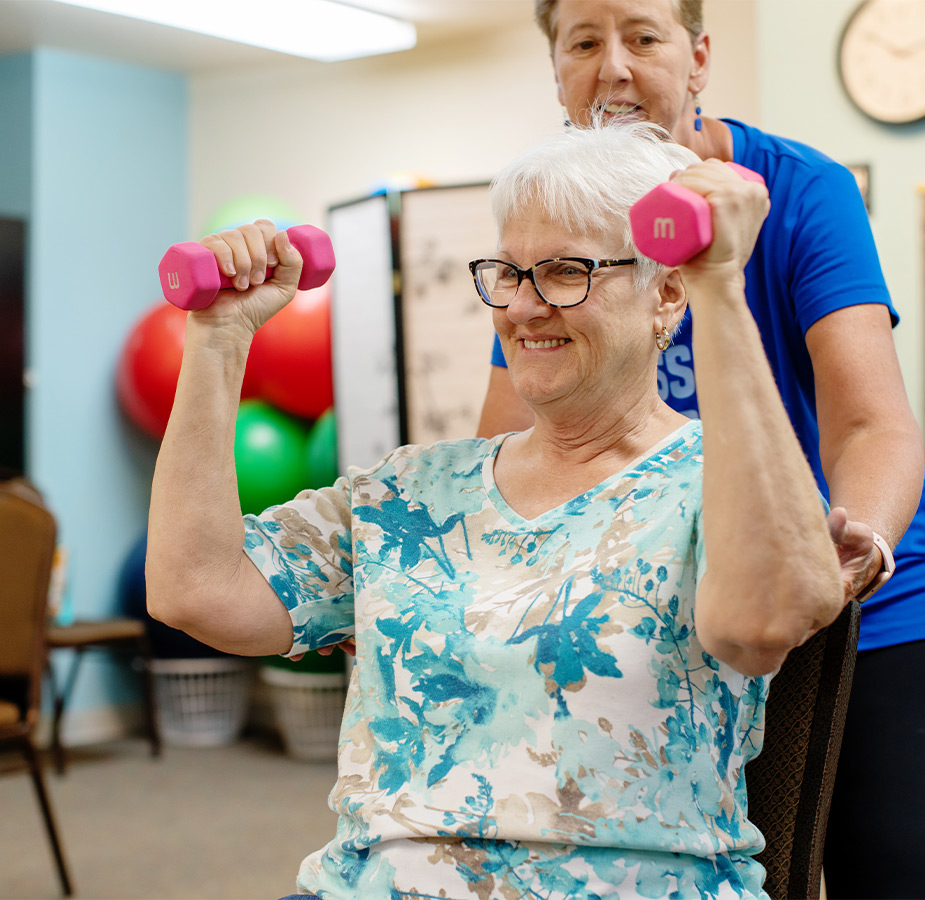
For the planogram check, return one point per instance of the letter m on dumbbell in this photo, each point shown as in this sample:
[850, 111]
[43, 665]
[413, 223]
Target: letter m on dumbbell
[173, 280]
[663, 228]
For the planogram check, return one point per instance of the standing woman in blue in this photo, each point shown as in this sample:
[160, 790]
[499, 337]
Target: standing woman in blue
[815, 288]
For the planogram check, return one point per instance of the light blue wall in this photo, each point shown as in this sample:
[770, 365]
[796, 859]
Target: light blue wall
[108, 193]
[802, 98]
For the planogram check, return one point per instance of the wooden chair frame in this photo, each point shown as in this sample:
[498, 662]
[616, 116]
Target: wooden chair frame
[118, 635]
[27, 551]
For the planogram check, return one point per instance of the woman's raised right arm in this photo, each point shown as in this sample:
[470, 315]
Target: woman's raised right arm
[198, 576]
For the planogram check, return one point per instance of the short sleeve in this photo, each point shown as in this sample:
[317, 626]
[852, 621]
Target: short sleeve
[835, 262]
[303, 549]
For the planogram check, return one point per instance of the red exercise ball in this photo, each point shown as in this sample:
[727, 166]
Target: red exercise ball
[250, 388]
[149, 366]
[289, 364]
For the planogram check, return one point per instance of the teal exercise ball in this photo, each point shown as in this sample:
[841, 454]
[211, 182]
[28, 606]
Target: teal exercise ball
[269, 455]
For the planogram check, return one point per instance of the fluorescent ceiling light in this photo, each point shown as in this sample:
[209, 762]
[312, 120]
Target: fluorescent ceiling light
[318, 29]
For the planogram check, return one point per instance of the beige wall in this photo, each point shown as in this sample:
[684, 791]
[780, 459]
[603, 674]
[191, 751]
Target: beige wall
[733, 90]
[456, 110]
[801, 97]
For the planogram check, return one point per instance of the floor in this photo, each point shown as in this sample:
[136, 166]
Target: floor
[224, 822]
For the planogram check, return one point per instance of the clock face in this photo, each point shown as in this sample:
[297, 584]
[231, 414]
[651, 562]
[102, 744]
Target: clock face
[882, 59]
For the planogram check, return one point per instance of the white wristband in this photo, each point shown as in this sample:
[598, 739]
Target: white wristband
[887, 567]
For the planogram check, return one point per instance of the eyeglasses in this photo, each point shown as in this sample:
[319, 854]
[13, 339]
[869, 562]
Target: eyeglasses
[559, 282]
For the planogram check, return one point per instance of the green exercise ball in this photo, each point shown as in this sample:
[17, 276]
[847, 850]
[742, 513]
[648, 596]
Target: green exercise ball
[269, 455]
[321, 451]
[248, 208]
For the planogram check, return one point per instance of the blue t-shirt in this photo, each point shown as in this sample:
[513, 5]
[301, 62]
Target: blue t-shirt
[815, 254]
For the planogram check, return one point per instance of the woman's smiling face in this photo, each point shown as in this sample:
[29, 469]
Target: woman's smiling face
[628, 58]
[578, 353]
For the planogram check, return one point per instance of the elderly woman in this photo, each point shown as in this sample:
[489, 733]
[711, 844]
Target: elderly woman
[565, 635]
[815, 289]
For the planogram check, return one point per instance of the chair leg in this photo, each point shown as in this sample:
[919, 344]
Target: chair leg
[35, 767]
[150, 703]
[60, 701]
[57, 701]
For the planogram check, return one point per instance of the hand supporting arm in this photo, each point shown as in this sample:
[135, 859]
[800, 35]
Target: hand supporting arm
[869, 442]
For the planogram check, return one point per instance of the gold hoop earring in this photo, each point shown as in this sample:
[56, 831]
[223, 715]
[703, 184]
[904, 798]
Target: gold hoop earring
[662, 339]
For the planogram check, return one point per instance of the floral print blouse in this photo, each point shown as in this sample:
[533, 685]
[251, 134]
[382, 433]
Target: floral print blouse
[530, 713]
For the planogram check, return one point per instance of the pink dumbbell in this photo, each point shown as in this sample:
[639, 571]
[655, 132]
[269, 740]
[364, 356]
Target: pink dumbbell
[190, 277]
[672, 224]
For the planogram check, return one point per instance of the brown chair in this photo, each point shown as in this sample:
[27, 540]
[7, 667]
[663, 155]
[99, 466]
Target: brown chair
[790, 782]
[27, 546]
[114, 635]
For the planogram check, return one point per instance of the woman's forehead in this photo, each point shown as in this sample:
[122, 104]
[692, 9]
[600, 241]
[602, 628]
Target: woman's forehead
[533, 221]
[536, 237]
[575, 13]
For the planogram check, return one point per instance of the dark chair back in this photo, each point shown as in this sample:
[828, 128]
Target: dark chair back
[790, 782]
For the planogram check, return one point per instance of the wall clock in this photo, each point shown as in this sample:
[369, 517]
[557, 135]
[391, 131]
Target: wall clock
[881, 60]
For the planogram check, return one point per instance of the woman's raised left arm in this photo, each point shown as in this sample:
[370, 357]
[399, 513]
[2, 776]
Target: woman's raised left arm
[772, 576]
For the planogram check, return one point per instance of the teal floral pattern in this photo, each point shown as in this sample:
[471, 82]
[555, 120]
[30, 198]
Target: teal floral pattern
[531, 714]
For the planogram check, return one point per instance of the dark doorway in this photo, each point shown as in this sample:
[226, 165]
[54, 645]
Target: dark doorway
[12, 344]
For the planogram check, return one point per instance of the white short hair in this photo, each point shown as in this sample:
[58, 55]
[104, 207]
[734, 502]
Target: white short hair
[587, 178]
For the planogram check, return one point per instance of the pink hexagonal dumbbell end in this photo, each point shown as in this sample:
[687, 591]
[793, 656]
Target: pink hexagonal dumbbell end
[672, 224]
[190, 278]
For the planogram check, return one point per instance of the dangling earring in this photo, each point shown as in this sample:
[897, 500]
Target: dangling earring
[698, 122]
[662, 339]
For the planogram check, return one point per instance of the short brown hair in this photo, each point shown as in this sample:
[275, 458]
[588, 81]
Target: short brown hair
[690, 15]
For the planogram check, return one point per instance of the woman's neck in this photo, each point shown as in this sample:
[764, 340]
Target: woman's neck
[713, 141]
[574, 439]
[561, 457]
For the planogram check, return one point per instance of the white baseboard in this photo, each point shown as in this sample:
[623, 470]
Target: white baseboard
[109, 723]
[94, 726]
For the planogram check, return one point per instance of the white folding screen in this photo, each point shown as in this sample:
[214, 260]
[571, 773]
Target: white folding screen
[411, 339]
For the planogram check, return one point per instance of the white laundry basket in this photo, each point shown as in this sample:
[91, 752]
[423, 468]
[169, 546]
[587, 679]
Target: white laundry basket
[202, 702]
[308, 708]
